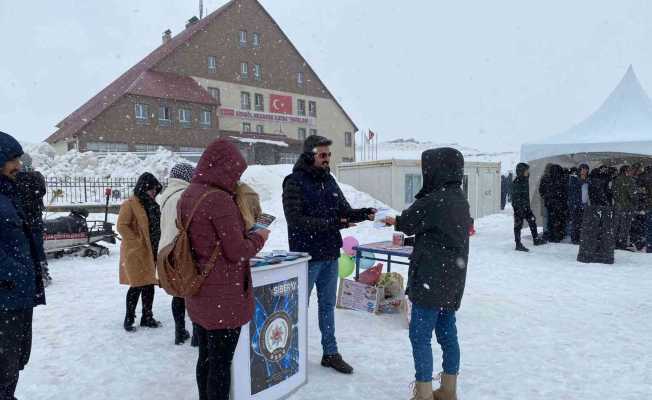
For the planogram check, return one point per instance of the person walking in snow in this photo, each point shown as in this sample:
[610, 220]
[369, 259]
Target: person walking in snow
[21, 283]
[316, 211]
[578, 200]
[222, 247]
[521, 205]
[139, 224]
[624, 194]
[597, 242]
[436, 278]
[178, 181]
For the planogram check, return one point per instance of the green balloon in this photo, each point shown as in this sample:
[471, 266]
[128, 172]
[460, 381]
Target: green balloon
[346, 265]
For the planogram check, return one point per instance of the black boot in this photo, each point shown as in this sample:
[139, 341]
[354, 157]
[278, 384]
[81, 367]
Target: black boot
[181, 335]
[539, 241]
[520, 247]
[194, 342]
[130, 316]
[147, 319]
[179, 315]
[129, 323]
[336, 362]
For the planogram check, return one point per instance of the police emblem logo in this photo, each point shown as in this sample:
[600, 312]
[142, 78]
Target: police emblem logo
[276, 336]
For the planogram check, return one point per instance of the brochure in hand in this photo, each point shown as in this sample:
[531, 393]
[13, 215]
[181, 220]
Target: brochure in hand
[263, 222]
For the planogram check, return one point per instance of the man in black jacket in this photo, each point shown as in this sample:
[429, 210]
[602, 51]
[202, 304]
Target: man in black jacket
[316, 211]
[440, 220]
[521, 205]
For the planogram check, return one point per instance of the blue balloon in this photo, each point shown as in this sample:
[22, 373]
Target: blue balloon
[366, 263]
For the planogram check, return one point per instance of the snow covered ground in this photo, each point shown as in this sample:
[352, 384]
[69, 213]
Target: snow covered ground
[532, 326]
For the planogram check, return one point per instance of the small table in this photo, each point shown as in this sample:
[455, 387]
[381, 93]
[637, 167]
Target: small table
[388, 249]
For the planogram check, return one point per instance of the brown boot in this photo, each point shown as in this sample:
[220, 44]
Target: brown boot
[422, 391]
[447, 389]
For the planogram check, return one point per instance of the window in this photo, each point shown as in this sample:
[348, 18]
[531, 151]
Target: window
[185, 117]
[107, 147]
[255, 39]
[191, 149]
[244, 70]
[206, 119]
[259, 104]
[146, 148]
[287, 158]
[300, 78]
[245, 101]
[141, 112]
[164, 116]
[348, 139]
[258, 72]
[246, 127]
[260, 129]
[302, 134]
[212, 64]
[243, 38]
[412, 187]
[313, 132]
[312, 108]
[301, 107]
[347, 159]
[215, 93]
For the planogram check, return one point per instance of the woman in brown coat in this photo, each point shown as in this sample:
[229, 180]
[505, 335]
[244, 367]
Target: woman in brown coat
[139, 224]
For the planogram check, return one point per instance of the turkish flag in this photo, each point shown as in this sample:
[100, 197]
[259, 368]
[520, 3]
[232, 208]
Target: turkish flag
[280, 104]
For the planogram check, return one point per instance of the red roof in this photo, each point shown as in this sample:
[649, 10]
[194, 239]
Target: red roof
[166, 85]
[85, 114]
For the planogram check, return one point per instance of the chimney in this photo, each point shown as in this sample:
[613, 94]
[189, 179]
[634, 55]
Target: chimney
[167, 36]
[192, 21]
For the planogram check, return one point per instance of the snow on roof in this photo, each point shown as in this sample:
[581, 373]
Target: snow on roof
[266, 141]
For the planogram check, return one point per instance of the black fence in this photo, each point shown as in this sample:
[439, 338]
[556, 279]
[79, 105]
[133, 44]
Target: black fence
[81, 190]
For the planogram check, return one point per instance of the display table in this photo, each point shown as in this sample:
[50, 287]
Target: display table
[272, 354]
[388, 249]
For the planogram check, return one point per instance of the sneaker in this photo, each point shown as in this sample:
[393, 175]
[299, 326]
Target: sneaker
[335, 361]
[520, 247]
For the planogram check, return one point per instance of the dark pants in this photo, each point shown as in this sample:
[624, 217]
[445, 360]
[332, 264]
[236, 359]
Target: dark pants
[179, 313]
[519, 216]
[15, 348]
[623, 226]
[576, 215]
[216, 350]
[637, 231]
[556, 224]
[147, 295]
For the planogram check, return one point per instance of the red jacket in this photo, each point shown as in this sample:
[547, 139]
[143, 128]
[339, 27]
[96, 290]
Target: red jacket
[225, 300]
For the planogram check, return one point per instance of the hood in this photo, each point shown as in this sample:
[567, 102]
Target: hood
[174, 185]
[9, 148]
[521, 168]
[145, 183]
[440, 167]
[221, 166]
[556, 172]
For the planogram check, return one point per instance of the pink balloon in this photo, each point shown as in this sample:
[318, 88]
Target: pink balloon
[348, 243]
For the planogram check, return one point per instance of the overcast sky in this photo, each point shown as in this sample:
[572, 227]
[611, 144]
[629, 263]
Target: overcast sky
[488, 74]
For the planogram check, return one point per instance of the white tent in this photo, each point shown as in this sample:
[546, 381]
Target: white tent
[619, 132]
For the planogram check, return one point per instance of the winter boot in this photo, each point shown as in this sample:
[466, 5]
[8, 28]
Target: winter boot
[520, 247]
[129, 323]
[447, 389]
[539, 241]
[335, 361]
[181, 335]
[194, 341]
[148, 321]
[422, 391]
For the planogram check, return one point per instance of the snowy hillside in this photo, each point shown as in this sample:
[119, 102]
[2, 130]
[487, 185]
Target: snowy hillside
[410, 149]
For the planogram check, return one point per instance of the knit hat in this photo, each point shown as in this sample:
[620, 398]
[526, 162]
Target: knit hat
[182, 171]
[9, 148]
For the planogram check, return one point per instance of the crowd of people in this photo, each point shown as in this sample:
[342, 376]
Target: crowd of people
[600, 210]
[224, 238]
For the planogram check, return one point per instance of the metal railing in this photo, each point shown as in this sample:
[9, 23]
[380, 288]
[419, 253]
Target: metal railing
[83, 190]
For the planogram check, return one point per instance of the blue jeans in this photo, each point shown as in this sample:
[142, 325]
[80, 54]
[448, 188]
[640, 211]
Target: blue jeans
[422, 323]
[324, 275]
[648, 230]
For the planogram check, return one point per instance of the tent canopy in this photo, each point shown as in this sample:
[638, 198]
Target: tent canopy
[623, 124]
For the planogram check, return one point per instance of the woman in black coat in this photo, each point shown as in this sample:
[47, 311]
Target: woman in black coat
[598, 241]
[440, 220]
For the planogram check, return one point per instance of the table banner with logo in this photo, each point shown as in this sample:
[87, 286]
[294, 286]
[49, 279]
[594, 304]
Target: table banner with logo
[270, 360]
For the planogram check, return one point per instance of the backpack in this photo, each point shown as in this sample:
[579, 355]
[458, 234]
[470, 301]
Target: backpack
[179, 275]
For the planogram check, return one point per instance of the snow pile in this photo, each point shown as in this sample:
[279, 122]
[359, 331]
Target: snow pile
[411, 149]
[90, 164]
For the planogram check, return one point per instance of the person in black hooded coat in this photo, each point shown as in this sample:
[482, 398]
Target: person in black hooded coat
[521, 205]
[598, 242]
[554, 191]
[440, 220]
